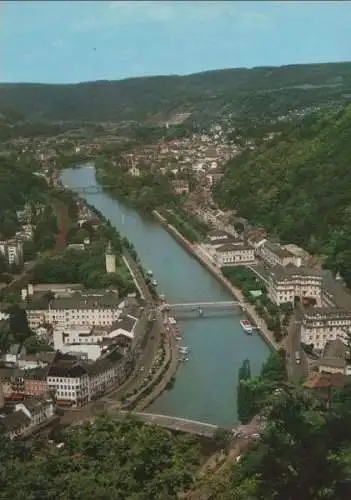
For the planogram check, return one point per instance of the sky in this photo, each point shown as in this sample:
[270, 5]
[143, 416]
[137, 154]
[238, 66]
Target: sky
[74, 41]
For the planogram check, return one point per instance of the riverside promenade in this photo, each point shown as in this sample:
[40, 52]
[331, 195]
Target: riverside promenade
[199, 254]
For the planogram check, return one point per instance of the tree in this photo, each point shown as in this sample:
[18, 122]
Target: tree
[244, 396]
[18, 323]
[222, 438]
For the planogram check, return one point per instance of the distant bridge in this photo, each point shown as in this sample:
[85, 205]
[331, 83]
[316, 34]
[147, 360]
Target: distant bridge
[91, 189]
[204, 306]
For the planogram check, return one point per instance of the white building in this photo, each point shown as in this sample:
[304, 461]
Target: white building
[92, 342]
[275, 255]
[76, 383]
[12, 250]
[231, 254]
[285, 284]
[320, 325]
[70, 381]
[80, 308]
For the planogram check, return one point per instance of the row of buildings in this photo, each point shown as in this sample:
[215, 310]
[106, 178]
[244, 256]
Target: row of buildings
[93, 335]
[286, 272]
[12, 249]
[289, 277]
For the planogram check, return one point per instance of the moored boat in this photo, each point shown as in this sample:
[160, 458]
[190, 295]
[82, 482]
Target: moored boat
[246, 326]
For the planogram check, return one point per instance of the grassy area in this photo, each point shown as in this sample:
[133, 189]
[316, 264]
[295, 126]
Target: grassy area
[190, 226]
[275, 317]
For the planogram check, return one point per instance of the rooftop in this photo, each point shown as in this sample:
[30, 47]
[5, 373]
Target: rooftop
[109, 300]
[219, 234]
[334, 354]
[336, 290]
[326, 380]
[280, 273]
[277, 250]
[230, 247]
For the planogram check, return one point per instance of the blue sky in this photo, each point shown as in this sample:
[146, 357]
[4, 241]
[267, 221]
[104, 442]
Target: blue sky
[79, 41]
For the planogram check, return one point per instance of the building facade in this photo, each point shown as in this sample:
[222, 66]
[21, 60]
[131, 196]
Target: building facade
[12, 250]
[78, 309]
[320, 325]
[275, 255]
[285, 284]
[230, 254]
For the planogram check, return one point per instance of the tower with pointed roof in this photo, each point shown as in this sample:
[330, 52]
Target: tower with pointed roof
[110, 259]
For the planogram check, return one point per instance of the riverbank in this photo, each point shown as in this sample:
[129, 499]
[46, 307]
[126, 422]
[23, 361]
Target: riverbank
[196, 251]
[197, 393]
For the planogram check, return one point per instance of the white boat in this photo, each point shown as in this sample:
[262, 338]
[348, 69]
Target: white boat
[154, 283]
[184, 350]
[149, 272]
[171, 320]
[246, 326]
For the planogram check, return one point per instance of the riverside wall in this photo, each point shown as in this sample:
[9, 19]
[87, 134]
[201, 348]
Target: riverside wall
[265, 334]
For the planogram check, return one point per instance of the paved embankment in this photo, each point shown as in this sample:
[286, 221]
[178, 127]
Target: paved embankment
[196, 251]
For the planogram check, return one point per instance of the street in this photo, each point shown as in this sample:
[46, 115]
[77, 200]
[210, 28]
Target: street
[293, 346]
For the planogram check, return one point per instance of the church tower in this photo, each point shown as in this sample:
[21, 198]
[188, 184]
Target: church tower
[110, 259]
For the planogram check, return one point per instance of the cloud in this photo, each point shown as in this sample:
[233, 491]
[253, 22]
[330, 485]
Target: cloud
[172, 14]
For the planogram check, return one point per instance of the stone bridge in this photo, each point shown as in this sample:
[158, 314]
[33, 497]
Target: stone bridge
[174, 423]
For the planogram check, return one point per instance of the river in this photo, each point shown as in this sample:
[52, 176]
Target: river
[205, 387]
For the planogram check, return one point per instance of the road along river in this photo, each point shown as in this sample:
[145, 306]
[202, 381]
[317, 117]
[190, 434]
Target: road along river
[205, 387]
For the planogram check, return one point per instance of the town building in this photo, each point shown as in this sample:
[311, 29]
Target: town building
[181, 186]
[324, 384]
[134, 171]
[285, 284]
[213, 177]
[335, 293]
[23, 418]
[323, 324]
[218, 235]
[76, 383]
[333, 359]
[234, 254]
[12, 250]
[78, 308]
[275, 255]
[92, 342]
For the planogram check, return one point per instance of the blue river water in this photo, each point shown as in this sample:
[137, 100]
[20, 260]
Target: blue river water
[205, 387]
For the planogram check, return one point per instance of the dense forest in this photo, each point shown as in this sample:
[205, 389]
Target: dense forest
[304, 453]
[298, 187]
[264, 92]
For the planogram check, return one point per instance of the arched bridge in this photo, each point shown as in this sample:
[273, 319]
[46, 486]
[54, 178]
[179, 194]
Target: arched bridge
[196, 306]
[168, 422]
[176, 423]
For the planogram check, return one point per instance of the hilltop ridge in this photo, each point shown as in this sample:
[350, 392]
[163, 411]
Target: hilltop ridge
[261, 92]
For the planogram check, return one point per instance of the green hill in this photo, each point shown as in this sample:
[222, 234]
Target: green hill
[263, 92]
[299, 187]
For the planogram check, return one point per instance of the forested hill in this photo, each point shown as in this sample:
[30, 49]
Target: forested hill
[300, 187]
[262, 92]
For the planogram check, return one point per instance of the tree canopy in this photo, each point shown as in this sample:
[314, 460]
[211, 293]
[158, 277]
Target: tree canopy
[298, 187]
[106, 460]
